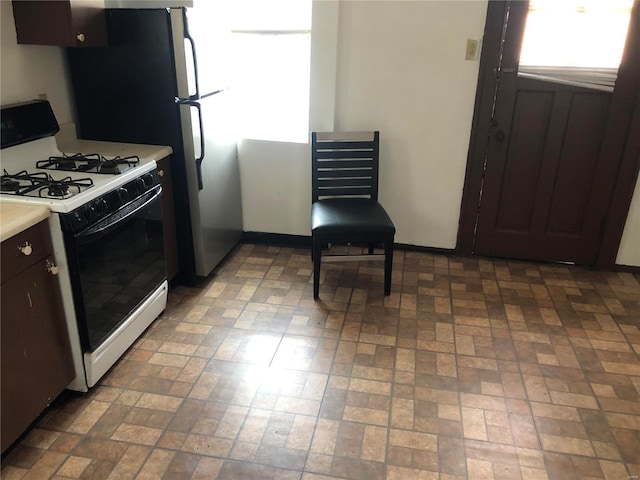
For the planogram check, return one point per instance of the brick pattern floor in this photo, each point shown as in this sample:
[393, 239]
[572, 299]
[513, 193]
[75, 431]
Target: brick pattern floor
[471, 369]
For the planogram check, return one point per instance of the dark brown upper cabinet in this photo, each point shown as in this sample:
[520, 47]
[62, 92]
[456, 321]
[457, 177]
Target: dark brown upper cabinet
[62, 23]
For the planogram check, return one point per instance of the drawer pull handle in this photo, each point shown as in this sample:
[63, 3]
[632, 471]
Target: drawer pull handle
[81, 37]
[26, 249]
[161, 173]
[52, 268]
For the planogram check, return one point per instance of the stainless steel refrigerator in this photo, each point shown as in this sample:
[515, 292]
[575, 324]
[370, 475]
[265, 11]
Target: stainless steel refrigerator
[163, 80]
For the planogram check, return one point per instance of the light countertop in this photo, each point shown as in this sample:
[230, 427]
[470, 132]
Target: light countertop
[17, 218]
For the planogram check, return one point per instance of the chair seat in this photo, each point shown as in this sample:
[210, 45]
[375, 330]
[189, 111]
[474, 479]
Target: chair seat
[350, 216]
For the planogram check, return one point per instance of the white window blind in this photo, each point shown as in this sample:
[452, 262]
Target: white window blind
[575, 42]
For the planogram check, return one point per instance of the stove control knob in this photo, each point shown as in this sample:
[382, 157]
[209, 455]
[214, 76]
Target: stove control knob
[90, 212]
[102, 206]
[147, 179]
[138, 186]
[25, 249]
[123, 195]
[111, 201]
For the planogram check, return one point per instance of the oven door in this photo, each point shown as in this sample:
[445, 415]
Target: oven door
[115, 265]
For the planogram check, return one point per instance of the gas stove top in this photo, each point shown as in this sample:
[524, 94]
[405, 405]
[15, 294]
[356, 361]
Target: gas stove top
[35, 172]
[61, 185]
[63, 181]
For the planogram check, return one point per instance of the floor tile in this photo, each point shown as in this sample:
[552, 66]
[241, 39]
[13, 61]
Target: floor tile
[471, 368]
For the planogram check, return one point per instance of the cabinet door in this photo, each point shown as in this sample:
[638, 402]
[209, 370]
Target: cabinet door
[36, 361]
[168, 217]
[63, 23]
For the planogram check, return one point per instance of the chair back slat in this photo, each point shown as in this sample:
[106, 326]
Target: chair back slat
[344, 164]
[329, 165]
[359, 172]
[343, 154]
[328, 183]
[342, 192]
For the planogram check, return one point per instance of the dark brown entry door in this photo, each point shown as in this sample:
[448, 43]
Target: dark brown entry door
[548, 178]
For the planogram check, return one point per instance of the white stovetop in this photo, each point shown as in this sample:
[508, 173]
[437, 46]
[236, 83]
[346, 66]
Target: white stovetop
[23, 157]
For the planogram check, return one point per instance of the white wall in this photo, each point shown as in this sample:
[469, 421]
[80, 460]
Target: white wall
[27, 71]
[400, 69]
[629, 251]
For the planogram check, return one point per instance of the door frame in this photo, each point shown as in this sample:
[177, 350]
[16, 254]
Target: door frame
[621, 141]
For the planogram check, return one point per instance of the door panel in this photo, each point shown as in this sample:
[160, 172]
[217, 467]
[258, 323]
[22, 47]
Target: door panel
[537, 191]
[574, 179]
[523, 162]
[545, 184]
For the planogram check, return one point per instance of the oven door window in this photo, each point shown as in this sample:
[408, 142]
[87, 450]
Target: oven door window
[118, 267]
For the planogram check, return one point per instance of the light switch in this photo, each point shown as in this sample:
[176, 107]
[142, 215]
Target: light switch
[471, 52]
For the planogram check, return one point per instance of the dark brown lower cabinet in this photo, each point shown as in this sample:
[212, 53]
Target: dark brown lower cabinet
[36, 363]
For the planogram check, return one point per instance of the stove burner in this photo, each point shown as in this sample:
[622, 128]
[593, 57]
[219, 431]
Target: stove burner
[109, 167]
[58, 190]
[21, 183]
[91, 163]
[41, 184]
[9, 185]
[66, 164]
[63, 188]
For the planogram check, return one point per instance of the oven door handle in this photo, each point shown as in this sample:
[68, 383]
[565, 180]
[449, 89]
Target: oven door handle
[121, 215]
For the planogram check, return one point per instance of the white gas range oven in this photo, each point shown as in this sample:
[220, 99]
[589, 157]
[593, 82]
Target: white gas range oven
[106, 227]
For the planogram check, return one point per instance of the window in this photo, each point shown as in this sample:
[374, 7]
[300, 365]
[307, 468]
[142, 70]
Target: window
[270, 46]
[575, 41]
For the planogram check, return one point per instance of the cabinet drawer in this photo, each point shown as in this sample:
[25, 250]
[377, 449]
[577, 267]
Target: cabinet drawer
[25, 249]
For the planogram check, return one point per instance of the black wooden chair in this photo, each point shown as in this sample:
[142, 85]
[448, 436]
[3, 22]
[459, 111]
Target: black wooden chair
[345, 206]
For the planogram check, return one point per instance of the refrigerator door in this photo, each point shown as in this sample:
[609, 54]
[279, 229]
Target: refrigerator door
[216, 207]
[210, 150]
[207, 37]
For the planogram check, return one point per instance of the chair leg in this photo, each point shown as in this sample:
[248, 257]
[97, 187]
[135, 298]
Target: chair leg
[371, 249]
[316, 252]
[388, 264]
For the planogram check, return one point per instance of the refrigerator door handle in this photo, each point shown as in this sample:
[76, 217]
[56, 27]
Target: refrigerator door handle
[187, 36]
[200, 158]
